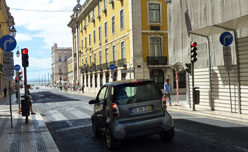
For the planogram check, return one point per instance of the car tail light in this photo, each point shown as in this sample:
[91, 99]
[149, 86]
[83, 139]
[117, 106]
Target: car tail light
[115, 110]
[164, 107]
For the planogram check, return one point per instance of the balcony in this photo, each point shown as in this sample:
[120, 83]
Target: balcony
[121, 62]
[105, 66]
[99, 67]
[93, 68]
[157, 60]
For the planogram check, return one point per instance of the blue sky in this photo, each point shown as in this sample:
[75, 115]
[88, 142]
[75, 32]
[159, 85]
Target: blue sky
[39, 30]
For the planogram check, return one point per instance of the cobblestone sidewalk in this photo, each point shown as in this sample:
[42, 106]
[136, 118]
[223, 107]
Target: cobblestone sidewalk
[31, 137]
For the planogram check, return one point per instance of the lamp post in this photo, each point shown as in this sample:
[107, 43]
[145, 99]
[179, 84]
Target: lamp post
[12, 31]
[18, 83]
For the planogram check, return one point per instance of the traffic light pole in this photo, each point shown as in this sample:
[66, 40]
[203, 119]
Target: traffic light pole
[193, 84]
[26, 89]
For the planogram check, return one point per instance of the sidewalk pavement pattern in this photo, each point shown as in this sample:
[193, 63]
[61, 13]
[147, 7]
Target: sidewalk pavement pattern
[31, 137]
[183, 106]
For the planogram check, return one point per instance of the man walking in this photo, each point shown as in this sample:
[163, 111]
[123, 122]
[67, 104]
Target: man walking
[167, 90]
[5, 90]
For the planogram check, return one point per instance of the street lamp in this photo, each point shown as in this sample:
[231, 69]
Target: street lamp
[17, 52]
[12, 31]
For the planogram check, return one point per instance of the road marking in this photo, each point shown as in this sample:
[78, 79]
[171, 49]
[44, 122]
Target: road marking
[78, 113]
[74, 127]
[58, 116]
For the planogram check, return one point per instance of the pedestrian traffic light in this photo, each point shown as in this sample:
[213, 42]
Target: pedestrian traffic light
[25, 62]
[188, 68]
[193, 52]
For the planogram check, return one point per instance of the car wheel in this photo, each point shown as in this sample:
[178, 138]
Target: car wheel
[111, 142]
[96, 131]
[167, 136]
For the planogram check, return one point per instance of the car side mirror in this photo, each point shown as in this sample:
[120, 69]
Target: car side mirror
[92, 101]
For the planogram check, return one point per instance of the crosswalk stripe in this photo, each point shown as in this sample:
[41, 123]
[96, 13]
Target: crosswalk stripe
[58, 116]
[78, 113]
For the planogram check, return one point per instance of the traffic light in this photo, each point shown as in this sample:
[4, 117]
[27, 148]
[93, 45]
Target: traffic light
[25, 62]
[188, 68]
[193, 52]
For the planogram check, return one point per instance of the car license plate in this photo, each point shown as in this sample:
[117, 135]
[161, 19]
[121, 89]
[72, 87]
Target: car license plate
[140, 110]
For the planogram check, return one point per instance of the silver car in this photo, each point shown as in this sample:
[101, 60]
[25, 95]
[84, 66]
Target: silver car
[130, 108]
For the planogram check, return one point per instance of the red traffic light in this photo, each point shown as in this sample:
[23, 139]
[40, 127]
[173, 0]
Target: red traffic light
[25, 51]
[193, 44]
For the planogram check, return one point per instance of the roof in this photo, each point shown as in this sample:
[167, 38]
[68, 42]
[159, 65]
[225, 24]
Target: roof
[115, 83]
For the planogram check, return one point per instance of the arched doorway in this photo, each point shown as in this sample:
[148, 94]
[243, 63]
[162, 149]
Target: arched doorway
[158, 76]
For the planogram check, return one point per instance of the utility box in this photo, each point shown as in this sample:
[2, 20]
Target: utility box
[25, 107]
[196, 95]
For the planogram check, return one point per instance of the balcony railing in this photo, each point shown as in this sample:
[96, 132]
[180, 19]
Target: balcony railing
[99, 67]
[105, 66]
[92, 68]
[121, 62]
[157, 60]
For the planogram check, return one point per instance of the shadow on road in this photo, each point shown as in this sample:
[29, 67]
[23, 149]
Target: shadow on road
[47, 96]
[76, 135]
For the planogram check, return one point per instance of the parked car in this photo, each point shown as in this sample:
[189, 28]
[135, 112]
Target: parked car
[130, 108]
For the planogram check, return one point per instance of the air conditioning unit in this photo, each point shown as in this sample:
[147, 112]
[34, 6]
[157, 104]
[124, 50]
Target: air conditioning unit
[104, 9]
[111, 1]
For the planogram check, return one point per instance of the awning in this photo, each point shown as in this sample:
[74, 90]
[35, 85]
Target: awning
[233, 24]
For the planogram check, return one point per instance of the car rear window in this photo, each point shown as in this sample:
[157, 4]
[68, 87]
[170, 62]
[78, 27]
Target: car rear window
[136, 92]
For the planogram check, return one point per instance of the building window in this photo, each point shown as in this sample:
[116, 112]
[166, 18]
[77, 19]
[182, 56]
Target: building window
[155, 46]
[114, 53]
[90, 60]
[106, 29]
[106, 55]
[95, 58]
[107, 77]
[91, 77]
[82, 61]
[85, 21]
[89, 18]
[82, 26]
[94, 36]
[60, 58]
[123, 76]
[105, 3]
[100, 57]
[87, 81]
[95, 80]
[66, 57]
[123, 50]
[82, 43]
[122, 19]
[85, 41]
[113, 25]
[100, 33]
[93, 12]
[89, 40]
[86, 60]
[101, 76]
[154, 13]
[99, 8]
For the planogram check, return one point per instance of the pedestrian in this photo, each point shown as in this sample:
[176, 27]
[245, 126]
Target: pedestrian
[30, 99]
[5, 90]
[83, 88]
[167, 90]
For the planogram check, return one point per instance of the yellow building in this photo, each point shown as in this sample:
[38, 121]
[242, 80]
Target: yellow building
[130, 34]
[6, 22]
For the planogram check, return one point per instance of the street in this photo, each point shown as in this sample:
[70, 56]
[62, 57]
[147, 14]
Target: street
[67, 117]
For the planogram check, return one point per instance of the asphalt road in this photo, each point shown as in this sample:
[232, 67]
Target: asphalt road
[67, 117]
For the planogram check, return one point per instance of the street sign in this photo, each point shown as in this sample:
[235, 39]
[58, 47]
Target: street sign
[227, 54]
[226, 38]
[8, 64]
[7, 43]
[112, 66]
[17, 67]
